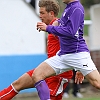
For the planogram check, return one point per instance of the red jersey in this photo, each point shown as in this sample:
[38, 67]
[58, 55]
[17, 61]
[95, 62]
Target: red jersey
[52, 44]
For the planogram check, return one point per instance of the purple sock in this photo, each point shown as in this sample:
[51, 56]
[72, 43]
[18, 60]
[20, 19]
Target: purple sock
[43, 90]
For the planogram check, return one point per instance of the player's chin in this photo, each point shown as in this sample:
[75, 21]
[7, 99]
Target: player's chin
[42, 20]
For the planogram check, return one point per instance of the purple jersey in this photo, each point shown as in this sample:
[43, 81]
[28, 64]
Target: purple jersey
[70, 29]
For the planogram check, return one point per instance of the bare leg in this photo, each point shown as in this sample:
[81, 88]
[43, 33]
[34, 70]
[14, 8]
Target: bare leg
[38, 77]
[94, 78]
[42, 71]
[24, 82]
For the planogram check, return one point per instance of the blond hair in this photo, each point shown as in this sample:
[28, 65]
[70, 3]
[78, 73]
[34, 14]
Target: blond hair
[50, 5]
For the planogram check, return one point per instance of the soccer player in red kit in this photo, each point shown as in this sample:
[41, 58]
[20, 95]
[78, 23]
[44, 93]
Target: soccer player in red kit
[56, 84]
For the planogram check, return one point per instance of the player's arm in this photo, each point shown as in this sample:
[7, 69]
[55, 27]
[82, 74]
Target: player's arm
[42, 26]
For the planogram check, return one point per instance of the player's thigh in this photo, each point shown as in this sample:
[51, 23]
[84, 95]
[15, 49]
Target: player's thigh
[43, 71]
[94, 78]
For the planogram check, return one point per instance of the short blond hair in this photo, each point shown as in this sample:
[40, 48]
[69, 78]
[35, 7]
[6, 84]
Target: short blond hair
[50, 5]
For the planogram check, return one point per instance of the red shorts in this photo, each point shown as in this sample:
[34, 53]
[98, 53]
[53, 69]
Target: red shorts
[55, 82]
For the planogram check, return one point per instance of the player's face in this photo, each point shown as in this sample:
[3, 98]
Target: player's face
[45, 16]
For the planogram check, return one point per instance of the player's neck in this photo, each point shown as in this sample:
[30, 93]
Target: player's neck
[73, 1]
[53, 20]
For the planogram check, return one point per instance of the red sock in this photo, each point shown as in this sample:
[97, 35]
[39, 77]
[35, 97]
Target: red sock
[8, 93]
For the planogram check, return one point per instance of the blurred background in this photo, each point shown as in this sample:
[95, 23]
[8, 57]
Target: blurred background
[22, 47]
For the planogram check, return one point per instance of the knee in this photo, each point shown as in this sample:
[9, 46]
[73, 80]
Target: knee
[37, 77]
[96, 84]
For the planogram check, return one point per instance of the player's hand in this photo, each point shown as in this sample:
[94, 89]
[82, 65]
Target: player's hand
[79, 77]
[41, 26]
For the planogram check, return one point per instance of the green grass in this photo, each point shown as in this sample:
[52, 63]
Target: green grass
[86, 96]
[92, 96]
[34, 98]
[84, 99]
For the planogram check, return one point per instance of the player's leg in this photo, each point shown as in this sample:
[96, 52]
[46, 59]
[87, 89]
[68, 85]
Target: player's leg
[89, 69]
[8, 93]
[85, 64]
[40, 73]
[94, 78]
[76, 87]
[90, 72]
[66, 91]
[24, 82]
[44, 70]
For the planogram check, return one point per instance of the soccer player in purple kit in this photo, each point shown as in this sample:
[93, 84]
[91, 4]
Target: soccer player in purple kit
[73, 53]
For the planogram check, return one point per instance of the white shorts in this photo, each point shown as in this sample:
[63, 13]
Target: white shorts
[79, 61]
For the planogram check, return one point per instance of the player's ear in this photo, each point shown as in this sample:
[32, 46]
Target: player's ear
[51, 13]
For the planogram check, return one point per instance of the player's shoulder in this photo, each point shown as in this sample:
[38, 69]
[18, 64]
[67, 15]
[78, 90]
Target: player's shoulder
[78, 8]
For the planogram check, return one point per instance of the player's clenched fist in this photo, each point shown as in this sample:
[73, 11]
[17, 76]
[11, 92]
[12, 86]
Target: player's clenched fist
[41, 26]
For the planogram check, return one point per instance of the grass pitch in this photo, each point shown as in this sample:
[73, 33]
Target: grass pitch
[34, 96]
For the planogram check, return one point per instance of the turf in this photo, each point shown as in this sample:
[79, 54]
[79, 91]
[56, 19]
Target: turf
[87, 96]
